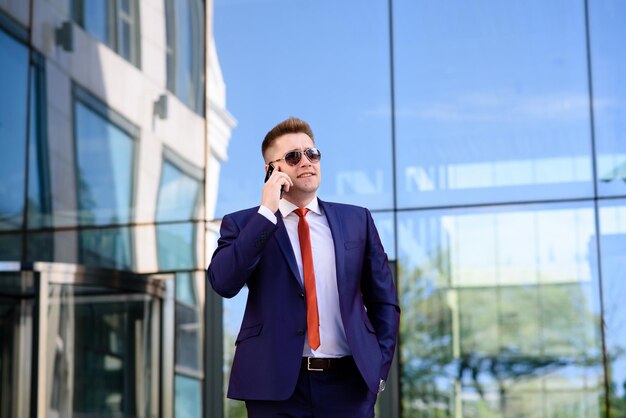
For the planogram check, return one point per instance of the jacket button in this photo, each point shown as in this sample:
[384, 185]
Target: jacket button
[302, 295]
[300, 331]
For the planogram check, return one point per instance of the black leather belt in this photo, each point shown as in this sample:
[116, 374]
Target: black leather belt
[318, 364]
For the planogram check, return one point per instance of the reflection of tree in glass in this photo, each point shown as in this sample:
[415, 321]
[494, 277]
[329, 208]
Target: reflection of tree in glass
[426, 342]
[618, 403]
[494, 344]
[232, 408]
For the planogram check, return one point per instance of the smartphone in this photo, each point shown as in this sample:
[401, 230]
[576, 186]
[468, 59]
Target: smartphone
[270, 170]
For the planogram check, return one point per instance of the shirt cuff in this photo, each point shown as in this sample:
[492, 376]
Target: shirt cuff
[268, 214]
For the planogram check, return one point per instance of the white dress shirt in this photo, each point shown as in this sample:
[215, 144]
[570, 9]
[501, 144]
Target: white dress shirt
[333, 342]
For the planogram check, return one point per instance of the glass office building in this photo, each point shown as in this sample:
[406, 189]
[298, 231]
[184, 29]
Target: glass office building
[110, 147]
[488, 138]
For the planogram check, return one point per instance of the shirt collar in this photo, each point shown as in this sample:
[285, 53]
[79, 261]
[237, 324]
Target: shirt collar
[287, 207]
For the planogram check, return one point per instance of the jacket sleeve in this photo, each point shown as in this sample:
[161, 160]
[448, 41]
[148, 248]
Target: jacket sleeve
[380, 296]
[238, 252]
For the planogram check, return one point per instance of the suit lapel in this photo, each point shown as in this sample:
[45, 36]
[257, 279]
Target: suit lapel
[334, 222]
[285, 246]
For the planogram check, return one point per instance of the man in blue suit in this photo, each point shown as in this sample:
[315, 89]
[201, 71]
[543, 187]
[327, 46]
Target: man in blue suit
[321, 321]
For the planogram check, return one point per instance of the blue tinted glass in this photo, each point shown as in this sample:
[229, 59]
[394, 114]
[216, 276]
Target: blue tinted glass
[607, 32]
[183, 51]
[176, 246]
[188, 337]
[96, 19]
[178, 195]
[491, 102]
[613, 255]
[105, 169]
[109, 248]
[233, 310]
[124, 41]
[39, 198]
[188, 397]
[13, 106]
[178, 200]
[186, 65]
[185, 289]
[326, 62]
[40, 246]
[500, 312]
[385, 226]
[124, 6]
[189, 319]
[10, 247]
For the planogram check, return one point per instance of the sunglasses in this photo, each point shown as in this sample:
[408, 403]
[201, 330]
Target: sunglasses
[293, 157]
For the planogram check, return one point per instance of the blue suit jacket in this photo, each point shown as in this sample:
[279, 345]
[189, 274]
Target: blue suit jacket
[253, 251]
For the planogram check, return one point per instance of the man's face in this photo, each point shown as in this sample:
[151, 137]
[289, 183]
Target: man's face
[306, 176]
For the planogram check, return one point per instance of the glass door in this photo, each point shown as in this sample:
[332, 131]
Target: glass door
[78, 342]
[17, 301]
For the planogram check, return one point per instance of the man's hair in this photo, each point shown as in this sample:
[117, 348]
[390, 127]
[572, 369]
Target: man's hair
[290, 125]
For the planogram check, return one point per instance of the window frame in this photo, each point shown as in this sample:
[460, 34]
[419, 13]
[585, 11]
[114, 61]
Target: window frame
[115, 19]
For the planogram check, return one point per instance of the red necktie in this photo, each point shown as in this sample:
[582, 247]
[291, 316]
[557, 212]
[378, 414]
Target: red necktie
[312, 315]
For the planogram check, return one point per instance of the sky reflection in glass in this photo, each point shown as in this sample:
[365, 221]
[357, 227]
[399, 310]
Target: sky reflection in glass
[491, 112]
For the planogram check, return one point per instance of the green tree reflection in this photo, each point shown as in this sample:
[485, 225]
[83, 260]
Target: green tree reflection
[497, 350]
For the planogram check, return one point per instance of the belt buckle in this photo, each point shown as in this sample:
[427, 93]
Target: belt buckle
[309, 368]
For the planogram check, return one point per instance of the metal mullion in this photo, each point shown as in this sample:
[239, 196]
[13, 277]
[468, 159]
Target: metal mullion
[40, 328]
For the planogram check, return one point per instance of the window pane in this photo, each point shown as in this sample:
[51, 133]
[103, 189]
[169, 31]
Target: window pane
[233, 310]
[500, 312]
[178, 200]
[185, 27]
[609, 88]
[189, 319]
[125, 40]
[107, 247]
[178, 195]
[385, 225]
[326, 62]
[96, 19]
[40, 246]
[186, 289]
[613, 255]
[125, 6]
[491, 102]
[39, 197]
[10, 247]
[188, 393]
[13, 106]
[188, 338]
[176, 246]
[105, 169]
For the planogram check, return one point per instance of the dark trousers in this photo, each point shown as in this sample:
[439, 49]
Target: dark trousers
[329, 394]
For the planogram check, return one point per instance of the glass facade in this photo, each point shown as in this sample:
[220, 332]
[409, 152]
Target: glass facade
[488, 140]
[13, 126]
[501, 106]
[102, 217]
[104, 168]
